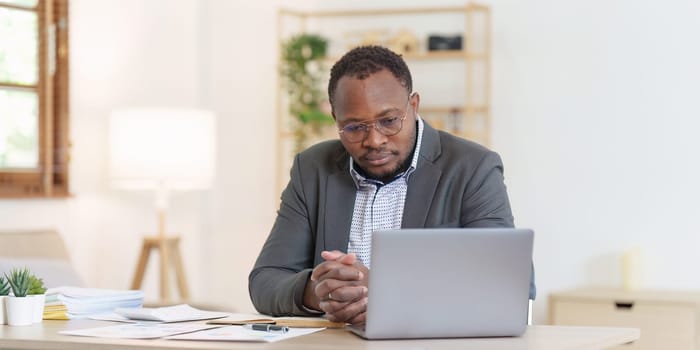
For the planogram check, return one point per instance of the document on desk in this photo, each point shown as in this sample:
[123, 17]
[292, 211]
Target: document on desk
[236, 319]
[177, 313]
[111, 316]
[138, 330]
[239, 333]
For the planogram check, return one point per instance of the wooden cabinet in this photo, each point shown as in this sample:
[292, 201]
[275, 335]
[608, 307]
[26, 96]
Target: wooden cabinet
[667, 319]
[454, 85]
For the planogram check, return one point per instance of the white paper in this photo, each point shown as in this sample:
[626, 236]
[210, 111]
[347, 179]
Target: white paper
[138, 330]
[177, 313]
[249, 318]
[111, 316]
[114, 317]
[239, 333]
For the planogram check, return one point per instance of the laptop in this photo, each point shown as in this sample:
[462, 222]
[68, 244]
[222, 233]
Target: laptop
[448, 283]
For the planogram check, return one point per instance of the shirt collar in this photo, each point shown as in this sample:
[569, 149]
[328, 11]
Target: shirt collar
[360, 180]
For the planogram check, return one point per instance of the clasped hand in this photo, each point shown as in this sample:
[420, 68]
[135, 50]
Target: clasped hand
[339, 287]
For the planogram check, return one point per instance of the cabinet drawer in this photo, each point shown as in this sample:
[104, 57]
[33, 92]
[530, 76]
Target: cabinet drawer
[663, 326]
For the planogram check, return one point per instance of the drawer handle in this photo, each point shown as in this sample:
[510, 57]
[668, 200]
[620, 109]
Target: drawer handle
[624, 305]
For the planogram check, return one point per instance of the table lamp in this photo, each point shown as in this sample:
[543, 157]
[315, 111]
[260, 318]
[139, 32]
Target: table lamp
[162, 150]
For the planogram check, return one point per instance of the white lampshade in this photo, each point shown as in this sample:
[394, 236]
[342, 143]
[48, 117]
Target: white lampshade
[153, 148]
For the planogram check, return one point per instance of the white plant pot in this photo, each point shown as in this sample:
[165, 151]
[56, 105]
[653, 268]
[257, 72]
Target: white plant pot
[19, 310]
[38, 301]
[3, 314]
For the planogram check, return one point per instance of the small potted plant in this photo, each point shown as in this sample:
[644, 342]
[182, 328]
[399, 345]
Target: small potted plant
[4, 292]
[19, 307]
[36, 291]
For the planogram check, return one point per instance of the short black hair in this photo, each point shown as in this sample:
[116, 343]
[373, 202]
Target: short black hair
[363, 61]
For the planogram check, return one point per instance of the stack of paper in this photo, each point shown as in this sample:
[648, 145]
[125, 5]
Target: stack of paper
[63, 303]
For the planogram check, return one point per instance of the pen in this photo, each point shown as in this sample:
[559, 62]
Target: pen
[271, 328]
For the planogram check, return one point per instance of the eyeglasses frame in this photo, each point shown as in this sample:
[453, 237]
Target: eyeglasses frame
[369, 125]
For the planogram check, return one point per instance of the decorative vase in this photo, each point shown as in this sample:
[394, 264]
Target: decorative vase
[38, 301]
[19, 310]
[3, 314]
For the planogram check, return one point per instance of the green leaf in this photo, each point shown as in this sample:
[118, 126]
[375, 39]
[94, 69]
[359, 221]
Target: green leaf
[4, 286]
[36, 285]
[315, 116]
[19, 281]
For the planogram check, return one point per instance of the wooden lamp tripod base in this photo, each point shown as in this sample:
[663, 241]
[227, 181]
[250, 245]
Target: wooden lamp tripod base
[169, 248]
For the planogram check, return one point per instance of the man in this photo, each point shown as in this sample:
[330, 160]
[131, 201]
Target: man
[389, 170]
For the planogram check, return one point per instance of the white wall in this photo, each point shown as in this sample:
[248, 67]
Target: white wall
[238, 42]
[595, 108]
[594, 114]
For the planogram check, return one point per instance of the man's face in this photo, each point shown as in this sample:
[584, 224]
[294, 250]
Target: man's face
[380, 95]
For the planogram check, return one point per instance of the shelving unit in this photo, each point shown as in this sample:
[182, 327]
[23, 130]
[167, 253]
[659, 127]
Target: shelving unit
[468, 114]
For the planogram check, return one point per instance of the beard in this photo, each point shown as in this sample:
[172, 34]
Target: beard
[400, 166]
[387, 175]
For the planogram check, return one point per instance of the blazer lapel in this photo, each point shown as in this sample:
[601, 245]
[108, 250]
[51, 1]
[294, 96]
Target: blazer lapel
[421, 190]
[340, 203]
[423, 182]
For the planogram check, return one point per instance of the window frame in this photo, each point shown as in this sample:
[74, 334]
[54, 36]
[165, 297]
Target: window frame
[50, 178]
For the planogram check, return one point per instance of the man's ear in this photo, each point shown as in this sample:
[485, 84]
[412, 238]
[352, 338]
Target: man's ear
[414, 97]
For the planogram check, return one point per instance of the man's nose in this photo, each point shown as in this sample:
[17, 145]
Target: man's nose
[374, 138]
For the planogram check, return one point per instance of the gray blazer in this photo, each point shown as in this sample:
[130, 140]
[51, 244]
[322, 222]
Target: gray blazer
[456, 183]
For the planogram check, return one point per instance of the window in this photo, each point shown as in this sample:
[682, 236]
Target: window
[34, 98]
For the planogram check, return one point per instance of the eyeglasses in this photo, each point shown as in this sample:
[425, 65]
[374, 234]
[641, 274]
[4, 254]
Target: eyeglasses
[387, 126]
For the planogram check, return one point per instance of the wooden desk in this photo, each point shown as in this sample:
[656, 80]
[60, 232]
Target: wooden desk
[44, 336]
